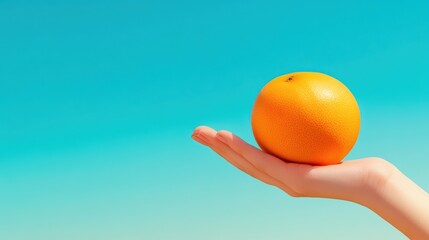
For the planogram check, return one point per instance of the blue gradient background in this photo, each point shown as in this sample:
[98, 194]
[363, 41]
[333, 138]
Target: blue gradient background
[98, 100]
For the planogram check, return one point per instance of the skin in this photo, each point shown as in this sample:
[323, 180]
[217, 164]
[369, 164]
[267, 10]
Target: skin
[371, 182]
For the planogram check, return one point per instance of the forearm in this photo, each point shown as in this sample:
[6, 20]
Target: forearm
[403, 204]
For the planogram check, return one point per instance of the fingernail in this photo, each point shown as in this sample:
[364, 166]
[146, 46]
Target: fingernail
[221, 138]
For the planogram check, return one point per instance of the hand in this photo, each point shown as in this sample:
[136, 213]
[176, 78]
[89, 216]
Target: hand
[345, 181]
[371, 182]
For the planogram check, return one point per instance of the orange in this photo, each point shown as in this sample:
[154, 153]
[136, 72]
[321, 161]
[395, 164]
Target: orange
[306, 117]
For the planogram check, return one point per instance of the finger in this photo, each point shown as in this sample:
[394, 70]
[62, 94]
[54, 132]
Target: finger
[275, 167]
[239, 161]
[232, 157]
[198, 139]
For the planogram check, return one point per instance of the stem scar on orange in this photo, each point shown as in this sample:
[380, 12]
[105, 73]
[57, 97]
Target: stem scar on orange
[306, 117]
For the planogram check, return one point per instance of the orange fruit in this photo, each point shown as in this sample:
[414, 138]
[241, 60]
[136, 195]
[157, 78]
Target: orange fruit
[306, 117]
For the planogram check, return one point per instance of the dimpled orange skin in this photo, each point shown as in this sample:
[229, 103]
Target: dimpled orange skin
[306, 117]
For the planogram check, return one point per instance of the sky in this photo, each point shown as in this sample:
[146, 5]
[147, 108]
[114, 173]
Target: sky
[98, 100]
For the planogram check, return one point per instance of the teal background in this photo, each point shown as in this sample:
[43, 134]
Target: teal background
[98, 100]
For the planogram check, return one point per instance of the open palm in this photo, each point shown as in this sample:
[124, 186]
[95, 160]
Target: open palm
[347, 180]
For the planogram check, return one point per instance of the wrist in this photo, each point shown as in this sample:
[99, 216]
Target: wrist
[377, 175]
[397, 199]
